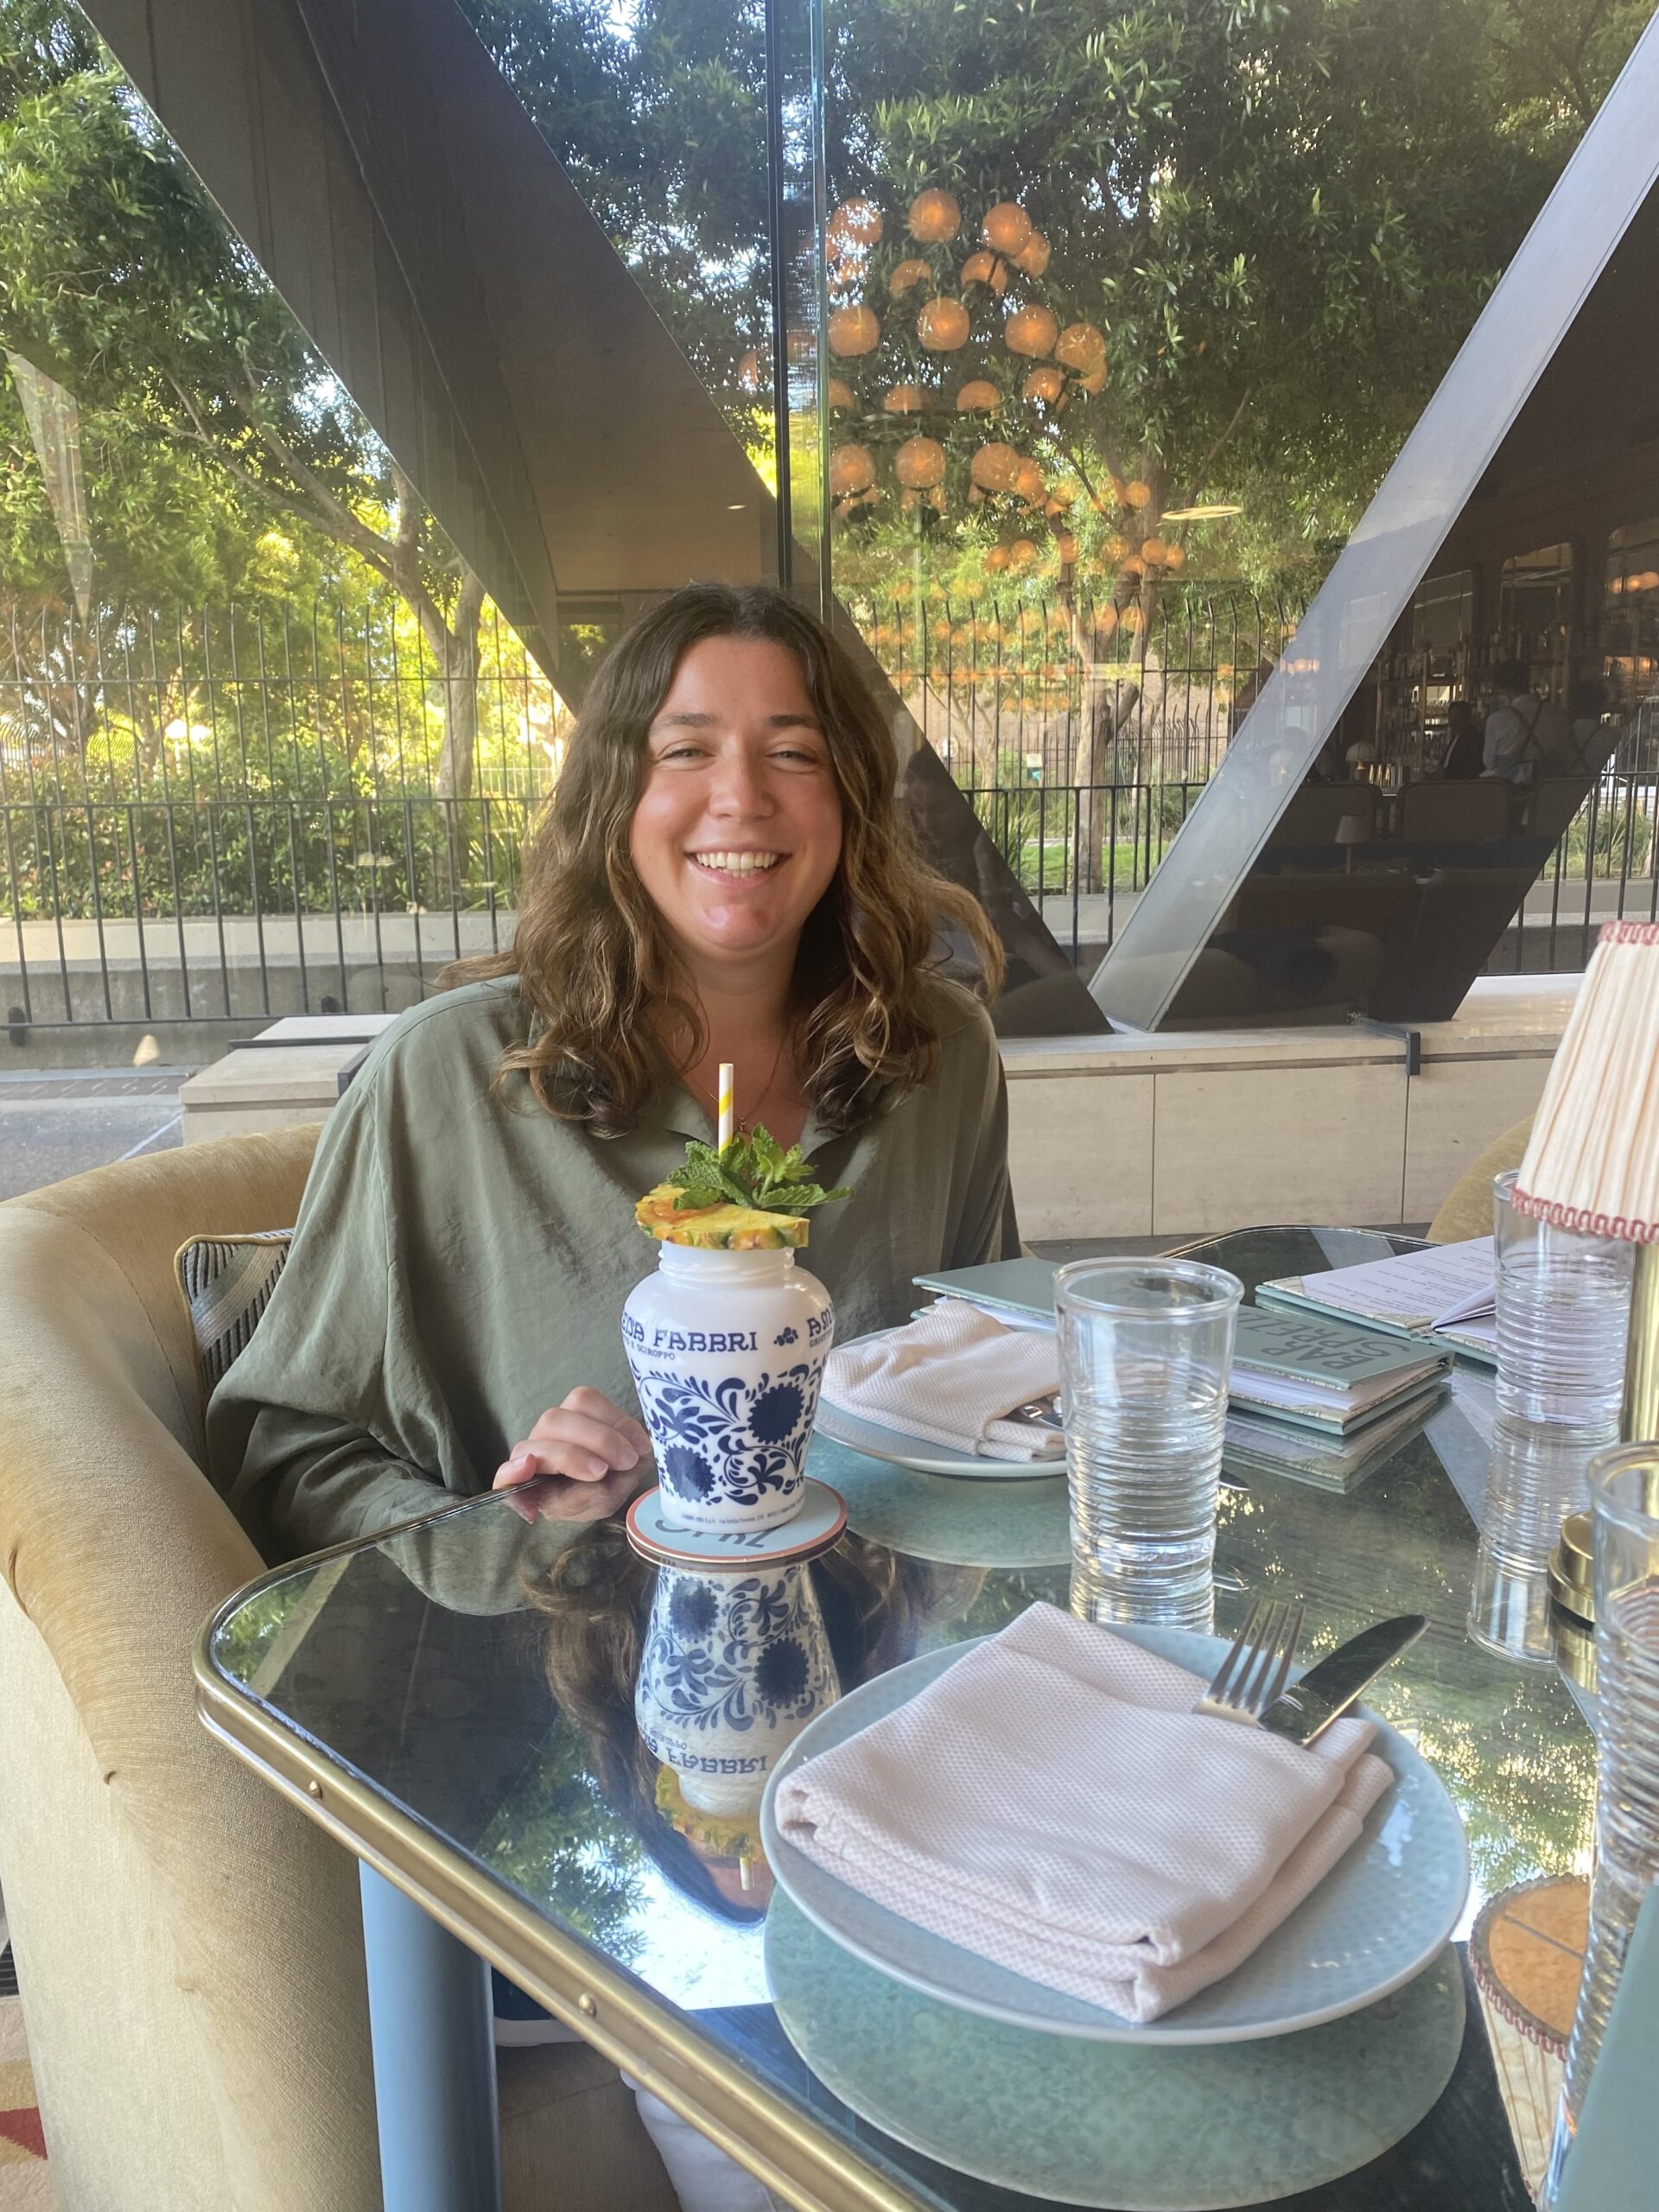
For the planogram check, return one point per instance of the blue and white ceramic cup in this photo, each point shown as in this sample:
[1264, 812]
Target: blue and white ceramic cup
[727, 1350]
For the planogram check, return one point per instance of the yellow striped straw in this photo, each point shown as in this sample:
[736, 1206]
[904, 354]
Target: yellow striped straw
[727, 1087]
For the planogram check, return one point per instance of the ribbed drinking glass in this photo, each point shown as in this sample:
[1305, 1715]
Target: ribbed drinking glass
[1538, 1474]
[1563, 1316]
[1146, 1349]
[1625, 1489]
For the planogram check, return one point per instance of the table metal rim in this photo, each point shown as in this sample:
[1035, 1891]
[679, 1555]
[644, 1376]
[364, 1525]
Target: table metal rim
[783, 2146]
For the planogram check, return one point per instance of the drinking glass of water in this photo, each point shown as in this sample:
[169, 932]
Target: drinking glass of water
[1563, 1315]
[1624, 1492]
[1146, 1347]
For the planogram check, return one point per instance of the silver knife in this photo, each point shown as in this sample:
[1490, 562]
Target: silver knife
[1327, 1690]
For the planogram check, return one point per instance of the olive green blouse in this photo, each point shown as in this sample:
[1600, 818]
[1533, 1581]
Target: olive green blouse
[462, 1259]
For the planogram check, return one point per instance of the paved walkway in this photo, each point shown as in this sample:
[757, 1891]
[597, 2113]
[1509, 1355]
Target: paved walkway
[59, 1122]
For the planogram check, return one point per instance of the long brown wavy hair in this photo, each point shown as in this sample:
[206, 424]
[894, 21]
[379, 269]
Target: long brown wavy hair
[592, 955]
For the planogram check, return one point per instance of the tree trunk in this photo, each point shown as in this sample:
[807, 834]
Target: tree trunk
[458, 753]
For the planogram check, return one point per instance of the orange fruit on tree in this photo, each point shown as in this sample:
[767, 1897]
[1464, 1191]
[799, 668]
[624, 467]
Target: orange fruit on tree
[1137, 494]
[1133, 617]
[1095, 381]
[853, 331]
[994, 466]
[1007, 228]
[934, 216]
[1028, 482]
[839, 393]
[919, 462]
[1154, 552]
[942, 326]
[1065, 545]
[1106, 620]
[1030, 331]
[986, 269]
[997, 557]
[855, 223]
[1045, 383]
[1113, 547]
[1081, 346]
[978, 397]
[907, 399]
[1032, 257]
[908, 275]
[1022, 552]
[1175, 557]
[851, 471]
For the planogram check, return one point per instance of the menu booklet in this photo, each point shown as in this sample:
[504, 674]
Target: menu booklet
[1301, 1368]
[1447, 1292]
[1326, 1375]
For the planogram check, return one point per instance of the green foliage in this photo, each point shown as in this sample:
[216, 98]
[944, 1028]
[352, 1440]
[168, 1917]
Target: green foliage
[1284, 214]
[249, 1634]
[1623, 840]
[220, 454]
[752, 1170]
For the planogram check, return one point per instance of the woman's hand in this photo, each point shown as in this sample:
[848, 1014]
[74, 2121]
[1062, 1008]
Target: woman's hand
[586, 1438]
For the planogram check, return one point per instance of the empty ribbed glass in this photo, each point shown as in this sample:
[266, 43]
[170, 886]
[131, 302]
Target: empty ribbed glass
[1624, 1487]
[1563, 1315]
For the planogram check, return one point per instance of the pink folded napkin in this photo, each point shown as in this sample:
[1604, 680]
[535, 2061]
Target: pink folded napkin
[951, 1376]
[1052, 1803]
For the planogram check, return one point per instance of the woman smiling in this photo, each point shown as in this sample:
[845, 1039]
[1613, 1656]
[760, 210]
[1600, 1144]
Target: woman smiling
[722, 873]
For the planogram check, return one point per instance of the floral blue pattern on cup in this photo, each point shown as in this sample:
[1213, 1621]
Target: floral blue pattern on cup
[735, 1663]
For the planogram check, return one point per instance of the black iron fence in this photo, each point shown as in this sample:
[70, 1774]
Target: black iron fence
[238, 814]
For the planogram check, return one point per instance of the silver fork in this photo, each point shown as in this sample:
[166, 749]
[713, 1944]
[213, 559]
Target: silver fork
[1257, 1665]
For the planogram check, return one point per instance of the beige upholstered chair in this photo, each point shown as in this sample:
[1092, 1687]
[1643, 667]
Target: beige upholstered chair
[1467, 1210]
[188, 1945]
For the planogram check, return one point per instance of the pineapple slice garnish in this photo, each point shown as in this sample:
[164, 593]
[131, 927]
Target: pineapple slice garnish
[723, 1228]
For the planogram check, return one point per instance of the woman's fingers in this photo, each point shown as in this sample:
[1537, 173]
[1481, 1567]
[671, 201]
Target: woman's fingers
[598, 1408]
[586, 1438]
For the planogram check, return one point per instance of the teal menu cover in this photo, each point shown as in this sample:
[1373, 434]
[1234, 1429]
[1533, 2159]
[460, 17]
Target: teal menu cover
[1024, 1286]
[1334, 1355]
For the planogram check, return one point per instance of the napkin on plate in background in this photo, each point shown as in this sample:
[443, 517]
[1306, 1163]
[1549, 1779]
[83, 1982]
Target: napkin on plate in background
[1052, 1803]
[951, 1376]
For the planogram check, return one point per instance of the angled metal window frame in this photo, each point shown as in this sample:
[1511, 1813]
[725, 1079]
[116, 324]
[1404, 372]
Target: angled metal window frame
[1512, 343]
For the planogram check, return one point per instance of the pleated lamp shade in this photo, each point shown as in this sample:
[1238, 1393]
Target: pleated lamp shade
[1592, 1162]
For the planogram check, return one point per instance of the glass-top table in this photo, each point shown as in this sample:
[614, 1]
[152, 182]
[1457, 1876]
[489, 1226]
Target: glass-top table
[456, 1702]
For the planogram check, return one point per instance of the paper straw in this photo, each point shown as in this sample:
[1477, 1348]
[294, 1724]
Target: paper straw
[727, 1085]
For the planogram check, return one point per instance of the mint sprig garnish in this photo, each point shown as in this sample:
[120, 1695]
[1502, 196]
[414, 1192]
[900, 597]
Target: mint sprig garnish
[754, 1170]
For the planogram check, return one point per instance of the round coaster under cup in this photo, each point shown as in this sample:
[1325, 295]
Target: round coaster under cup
[653, 1533]
[1189, 2129]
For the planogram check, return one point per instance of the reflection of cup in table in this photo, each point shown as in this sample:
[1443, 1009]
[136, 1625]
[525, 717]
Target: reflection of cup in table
[1146, 1349]
[736, 1662]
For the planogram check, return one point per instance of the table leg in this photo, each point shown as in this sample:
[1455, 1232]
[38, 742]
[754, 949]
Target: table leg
[432, 2022]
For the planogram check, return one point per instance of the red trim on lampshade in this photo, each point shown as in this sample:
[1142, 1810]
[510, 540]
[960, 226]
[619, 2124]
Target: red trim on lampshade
[1629, 933]
[1581, 1219]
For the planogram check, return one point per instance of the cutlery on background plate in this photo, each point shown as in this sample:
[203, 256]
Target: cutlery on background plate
[1306, 1709]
